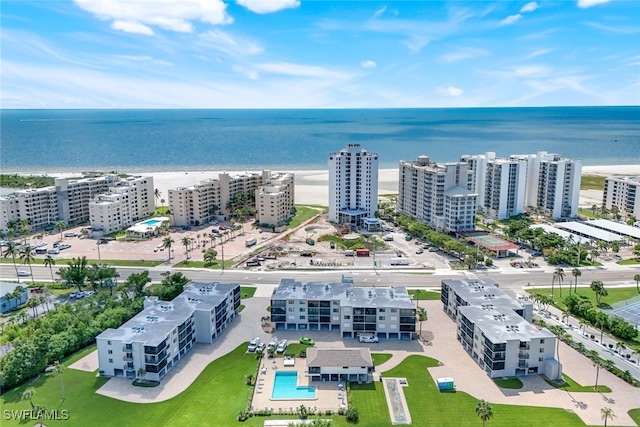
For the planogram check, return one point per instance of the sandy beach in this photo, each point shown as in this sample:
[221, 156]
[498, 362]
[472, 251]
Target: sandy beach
[311, 186]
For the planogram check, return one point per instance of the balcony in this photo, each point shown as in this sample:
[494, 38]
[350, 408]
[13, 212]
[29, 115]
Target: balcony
[523, 355]
[523, 365]
[128, 357]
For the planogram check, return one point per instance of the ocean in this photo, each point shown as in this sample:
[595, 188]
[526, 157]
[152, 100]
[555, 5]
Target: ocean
[43, 141]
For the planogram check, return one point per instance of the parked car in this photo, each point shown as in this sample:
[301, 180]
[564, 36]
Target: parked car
[70, 234]
[54, 251]
[89, 293]
[368, 338]
[273, 344]
[261, 347]
[253, 344]
[419, 251]
[23, 273]
[433, 249]
[307, 341]
[64, 246]
[282, 346]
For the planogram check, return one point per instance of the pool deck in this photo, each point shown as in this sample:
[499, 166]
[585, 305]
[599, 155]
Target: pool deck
[327, 393]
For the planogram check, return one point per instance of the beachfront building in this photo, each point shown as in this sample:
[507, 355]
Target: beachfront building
[353, 185]
[275, 199]
[12, 295]
[387, 312]
[623, 192]
[128, 200]
[164, 331]
[39, 206]
[496, 331]
[437, 194]
[74, 196]
[499, 183]
[209, 199]
[340, 364]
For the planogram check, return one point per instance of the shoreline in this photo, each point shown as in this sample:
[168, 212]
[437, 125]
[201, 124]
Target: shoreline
[308, 181]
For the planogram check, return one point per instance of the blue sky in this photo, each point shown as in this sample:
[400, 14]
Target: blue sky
[318, 54]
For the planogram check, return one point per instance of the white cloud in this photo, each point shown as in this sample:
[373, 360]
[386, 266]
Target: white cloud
[511, 19]
[380, 11]
[368, 64]
[268, 6]
[584, 4]
[532, 71]
[141, 15]
[132, 27]
[537, 53]
[450, 91]
[529, 7]
[230, 44]
[462, 54]
[619, 29]
[298, 70]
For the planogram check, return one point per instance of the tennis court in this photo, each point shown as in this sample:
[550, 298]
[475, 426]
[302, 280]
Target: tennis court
[629, 310]
[491, 242]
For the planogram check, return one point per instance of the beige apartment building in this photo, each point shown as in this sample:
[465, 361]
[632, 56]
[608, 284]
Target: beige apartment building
[127, 201]
[275, 199]
[39, 206]
[623, 192]
[207, 200]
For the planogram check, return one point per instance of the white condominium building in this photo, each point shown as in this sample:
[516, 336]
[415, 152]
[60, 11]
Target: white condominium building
[353, 185]
[500, 184]
[387, 312]
[203, 202]
[127, 201]
[437, 194]
[496, 331]
[623, 192]
[275, 199]
[164, 331]
[506, 186]
[74, 196]
[39, 206]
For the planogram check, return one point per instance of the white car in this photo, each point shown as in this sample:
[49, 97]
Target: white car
[368, 338]
[253, 344]
[282, 346]
[23, 273]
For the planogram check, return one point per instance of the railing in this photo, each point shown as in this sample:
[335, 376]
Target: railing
[523, 355]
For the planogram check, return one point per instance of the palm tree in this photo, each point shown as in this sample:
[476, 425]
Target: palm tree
[50, 262]
[637, 279]
[607, 413]
[576, 272]
[28, 395]
[484, 411]
[598, 288]
[28, 256]
[558, 276]
[58, 368]
[597, 362]
[167, 242]
[61, 225]
[186, 242]
[33, 304]
[594, 208]
[13, 250]
[157, 195]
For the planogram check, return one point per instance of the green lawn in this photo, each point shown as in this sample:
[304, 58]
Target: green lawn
[635, 415]
[201, 264]
[513, 383]
[589, 213]
[615, 294]
[430, 407]
[380, 358]
[592, 182]
[631, 261]
[424, 294]
[64, 261]
[572, 386]
[247, 291]
[303, 213]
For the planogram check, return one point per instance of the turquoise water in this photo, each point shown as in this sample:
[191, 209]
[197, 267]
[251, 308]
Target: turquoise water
[286, 386]
[235, 140]
[151, 222]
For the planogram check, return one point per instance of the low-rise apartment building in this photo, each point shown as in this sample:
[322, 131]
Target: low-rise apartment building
[437, 194]
[275, 199]
[387, 312]
[495, 330]
[340, 364]
[624, 193]
[164, 331]
[127, 201]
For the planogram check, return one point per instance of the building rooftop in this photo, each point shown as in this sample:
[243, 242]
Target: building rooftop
[158, 318]
[500, 325]
[483, 292]
[332, 357]
[591, 232]
[460, 191]
[345, 292]
[7, 287]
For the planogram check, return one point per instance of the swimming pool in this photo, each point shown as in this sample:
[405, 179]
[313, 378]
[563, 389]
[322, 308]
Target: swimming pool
[286, 387]
[151, 222]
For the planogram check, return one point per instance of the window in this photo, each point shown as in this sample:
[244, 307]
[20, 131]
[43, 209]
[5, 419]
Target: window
[540, 359]
[382, 310]
[291, 309]
[108, 342]
[542, 341]
[110, 352]
[541, 350]
[394, 310]
[110, 360]
[303, 309]
[303, 317]
[347, 317]
[380, 317]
